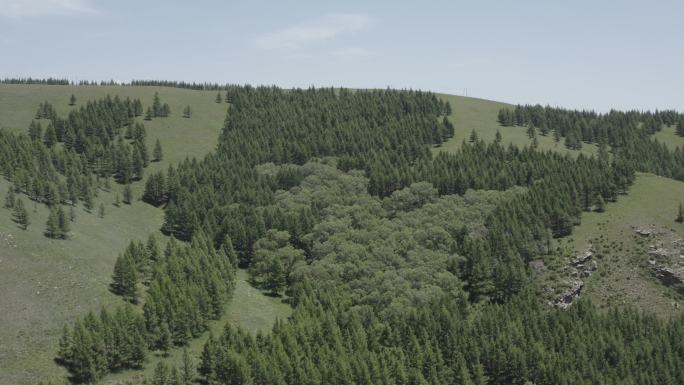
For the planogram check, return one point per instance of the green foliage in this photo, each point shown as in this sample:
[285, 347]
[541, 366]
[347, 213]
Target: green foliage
[157, 152]
[20, 215]
[57, 226]
[680, 214]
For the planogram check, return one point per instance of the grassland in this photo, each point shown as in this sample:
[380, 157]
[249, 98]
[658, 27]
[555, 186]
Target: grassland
[623, 276]
[480, 115]
[249, 309]
[669, 136]
[46, 283]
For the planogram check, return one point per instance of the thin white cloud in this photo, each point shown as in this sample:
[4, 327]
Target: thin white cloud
[352, 52]
[327, 28]
[29, 8]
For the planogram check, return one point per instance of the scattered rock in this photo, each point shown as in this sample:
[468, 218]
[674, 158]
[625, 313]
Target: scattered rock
[570, 295]
[669, 277]
[537, 265]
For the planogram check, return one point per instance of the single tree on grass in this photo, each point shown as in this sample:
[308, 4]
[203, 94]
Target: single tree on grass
[148, 114]
[127, 194]
[20, 215]
[10, 198]
[157, 152]
[187, 113]
[101, 211]
[680, 214]
[72, 100]
[219, 98]
[57, 226]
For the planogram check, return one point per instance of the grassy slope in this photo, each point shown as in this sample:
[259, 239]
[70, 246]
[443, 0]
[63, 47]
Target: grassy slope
[46, 283]
[623, 276]
[480, 115]
[249, 309]
[668, 136]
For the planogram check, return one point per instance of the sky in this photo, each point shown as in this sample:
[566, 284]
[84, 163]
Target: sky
[597, 54]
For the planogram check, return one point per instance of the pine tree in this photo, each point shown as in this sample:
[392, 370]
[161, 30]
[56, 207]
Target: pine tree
[188, 369]
[219, 98]
[127, 194]
[88, 199]
[166, 110]
[498, 137]
[157, 152]
[148, 114]
[531, 131]
[156, 106]
[52, 229]
[50, 136]
[72, 100]
[63, 223]
[680, 214]
[35, 131]
[10, 198]
[473, 136]
[117, 200]
[165, 340]
[124, 279]
[101, 211]
[187, 113]
[600, 204]
[20, 215]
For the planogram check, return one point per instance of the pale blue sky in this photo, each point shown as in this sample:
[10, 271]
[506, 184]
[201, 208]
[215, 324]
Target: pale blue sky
[581, 54]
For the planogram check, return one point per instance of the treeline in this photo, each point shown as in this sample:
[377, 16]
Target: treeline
[187, 285]
[148, 83]
[627, 133]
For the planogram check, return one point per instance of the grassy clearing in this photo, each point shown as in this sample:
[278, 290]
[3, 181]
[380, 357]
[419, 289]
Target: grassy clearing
[669, 136]
[47, 283]
[623, 276]
[481, 115]
[249, 309]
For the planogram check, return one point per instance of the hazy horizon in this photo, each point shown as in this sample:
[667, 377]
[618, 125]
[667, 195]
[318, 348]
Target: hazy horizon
[577, 55]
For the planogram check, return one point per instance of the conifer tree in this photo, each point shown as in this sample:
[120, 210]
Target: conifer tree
[10, 198]
[20, 215]
[50, 136]
[52, 228]
[157, 153]
[680, 214]
[473, 136]
[35, 131]
[219, 98]
[72, 213]
[187, 369]
[497, 137]
[124, 279]
[148, 114]
[156, 106]
[101, 211]
[127, 194]
[63, 223]
[187, 113]
[72, 100]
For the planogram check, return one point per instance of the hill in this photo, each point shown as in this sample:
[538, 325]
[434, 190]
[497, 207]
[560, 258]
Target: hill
[48, 283]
